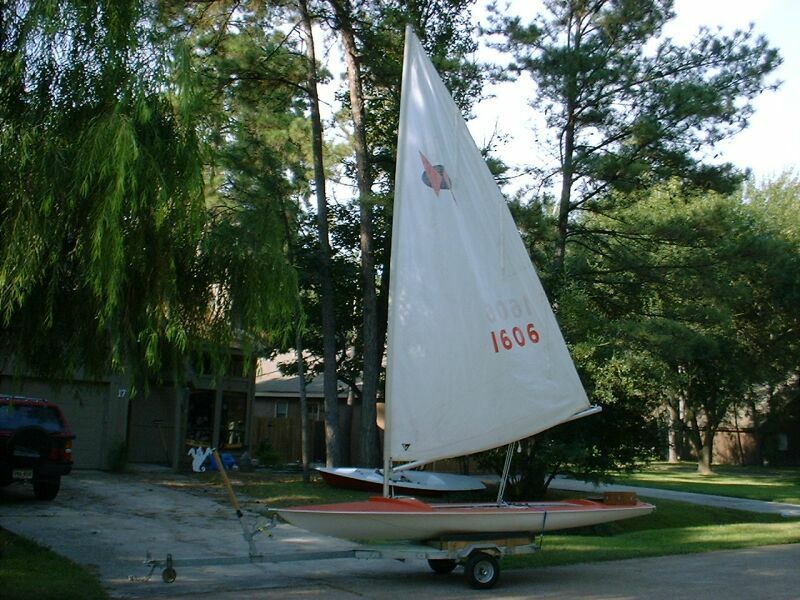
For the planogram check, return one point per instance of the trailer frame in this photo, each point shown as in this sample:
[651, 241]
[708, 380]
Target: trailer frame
[479, 554]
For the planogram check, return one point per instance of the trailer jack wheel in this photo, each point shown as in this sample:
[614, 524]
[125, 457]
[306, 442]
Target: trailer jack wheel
[168, 575]
[482, 570]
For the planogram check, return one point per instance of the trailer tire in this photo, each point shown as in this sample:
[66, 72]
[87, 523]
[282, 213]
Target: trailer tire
[482, 570]
[442, 566]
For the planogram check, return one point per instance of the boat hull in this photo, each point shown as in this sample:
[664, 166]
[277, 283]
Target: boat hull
[413, 520]
[425, 483]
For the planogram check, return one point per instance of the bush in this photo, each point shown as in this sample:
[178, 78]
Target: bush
[265, 453]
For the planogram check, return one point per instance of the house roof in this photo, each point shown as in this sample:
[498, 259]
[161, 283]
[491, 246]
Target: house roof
[270, 382]
[290, 386]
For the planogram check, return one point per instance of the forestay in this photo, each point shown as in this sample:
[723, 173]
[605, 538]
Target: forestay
[475, 356]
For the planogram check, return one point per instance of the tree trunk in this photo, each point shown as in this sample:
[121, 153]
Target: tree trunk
[739, 446]
[181, 413]
[566, 194]
[305, 433]
[703, 456]
[330, 387]
[704, 460]
[702, 440]
[371, 369]
[757, 433]
[707, 457]
[675, 435]
[567, 162]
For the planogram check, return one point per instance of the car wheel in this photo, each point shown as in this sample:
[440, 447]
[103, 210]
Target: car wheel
[46, 489]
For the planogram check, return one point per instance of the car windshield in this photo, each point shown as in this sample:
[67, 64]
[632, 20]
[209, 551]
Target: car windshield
[17, 416]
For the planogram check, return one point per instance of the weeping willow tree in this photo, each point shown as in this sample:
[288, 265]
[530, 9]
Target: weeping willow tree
[111, 259]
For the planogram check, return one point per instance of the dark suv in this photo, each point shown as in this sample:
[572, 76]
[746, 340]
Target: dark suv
[35, 444]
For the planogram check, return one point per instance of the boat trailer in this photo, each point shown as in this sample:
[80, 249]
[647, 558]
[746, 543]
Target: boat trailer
[479, 554]
[480, 558]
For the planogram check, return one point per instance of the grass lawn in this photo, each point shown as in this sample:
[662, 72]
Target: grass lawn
[756, 483]
[277, 490]
[674, 528]
[28, 570]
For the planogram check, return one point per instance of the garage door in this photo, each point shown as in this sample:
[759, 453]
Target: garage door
[85, 405]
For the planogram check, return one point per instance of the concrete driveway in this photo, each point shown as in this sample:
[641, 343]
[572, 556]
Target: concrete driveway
[109, 523]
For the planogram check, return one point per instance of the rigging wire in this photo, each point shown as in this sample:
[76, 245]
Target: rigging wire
[506, 468]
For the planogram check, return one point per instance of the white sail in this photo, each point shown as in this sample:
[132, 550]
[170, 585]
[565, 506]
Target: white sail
[475, 358]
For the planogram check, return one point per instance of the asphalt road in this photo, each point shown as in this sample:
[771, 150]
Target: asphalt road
[110, 522]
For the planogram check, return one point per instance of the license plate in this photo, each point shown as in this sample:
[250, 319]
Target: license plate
[22, 474]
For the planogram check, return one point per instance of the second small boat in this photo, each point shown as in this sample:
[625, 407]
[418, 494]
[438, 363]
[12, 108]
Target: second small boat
[417, 483]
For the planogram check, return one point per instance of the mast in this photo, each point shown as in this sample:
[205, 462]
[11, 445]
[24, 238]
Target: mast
[387, 427]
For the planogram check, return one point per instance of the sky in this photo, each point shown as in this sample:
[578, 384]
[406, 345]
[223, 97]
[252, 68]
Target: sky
[771, 143]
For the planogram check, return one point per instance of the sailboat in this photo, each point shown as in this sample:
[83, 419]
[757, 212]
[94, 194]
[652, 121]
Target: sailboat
[421, 483]
[418, 483]
[475, 357]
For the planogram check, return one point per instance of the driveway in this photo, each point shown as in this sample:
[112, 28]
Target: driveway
[109, 523]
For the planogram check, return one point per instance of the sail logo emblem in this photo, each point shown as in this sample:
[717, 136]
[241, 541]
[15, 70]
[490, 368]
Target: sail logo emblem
[434, 176]
[406, 447]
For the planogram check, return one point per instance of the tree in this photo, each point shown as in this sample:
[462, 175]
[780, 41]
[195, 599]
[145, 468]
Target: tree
[776, 402]
[692, 291]
[272, 78]
[112, 259]
[624, 117]
[371, 367]
[327, 300]
[372, 35]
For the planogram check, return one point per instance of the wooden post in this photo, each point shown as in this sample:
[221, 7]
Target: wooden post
[217, 425]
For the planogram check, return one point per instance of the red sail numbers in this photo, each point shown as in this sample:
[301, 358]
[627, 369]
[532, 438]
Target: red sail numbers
[517, 336]
[505, 339]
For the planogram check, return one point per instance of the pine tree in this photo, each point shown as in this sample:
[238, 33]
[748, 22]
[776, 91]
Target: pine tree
[627, 107]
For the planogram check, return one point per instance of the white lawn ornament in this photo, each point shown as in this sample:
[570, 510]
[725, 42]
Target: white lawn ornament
[199, 456]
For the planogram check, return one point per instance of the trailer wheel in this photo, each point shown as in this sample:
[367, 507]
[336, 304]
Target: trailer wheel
[168, 575]
[443, 566]
[482, 570]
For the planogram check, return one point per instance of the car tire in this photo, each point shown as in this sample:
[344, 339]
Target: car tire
[46, 489]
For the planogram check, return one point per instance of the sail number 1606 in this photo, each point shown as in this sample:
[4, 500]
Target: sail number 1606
[518, 336]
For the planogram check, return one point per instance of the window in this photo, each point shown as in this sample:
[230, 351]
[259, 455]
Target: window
[234, 413]
[28, 415]
[281, 409]
[200, 420]
[315, 411]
